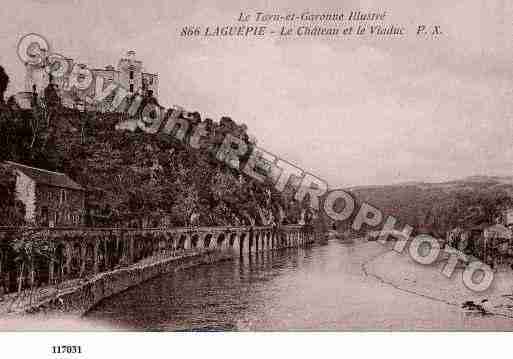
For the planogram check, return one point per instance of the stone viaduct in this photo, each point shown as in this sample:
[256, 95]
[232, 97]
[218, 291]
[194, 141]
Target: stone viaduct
[80, 253]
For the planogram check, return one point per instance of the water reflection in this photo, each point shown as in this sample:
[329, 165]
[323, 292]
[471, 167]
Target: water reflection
[319, 288]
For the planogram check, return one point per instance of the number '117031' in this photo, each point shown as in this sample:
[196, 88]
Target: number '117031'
[66, 349]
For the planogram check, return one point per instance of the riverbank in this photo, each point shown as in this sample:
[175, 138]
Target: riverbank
[427, 281]
[76, 297]
[317, 288]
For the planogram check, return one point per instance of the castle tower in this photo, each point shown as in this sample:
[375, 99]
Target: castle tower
[133, 77]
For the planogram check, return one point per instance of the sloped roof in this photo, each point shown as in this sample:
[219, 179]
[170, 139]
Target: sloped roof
[49, 178]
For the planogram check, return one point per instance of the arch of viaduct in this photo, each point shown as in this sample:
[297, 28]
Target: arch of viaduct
[83, 252]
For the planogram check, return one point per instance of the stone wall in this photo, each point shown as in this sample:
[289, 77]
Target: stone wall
[80, 299]
[102, 262]
[64, 204]
[26, 193]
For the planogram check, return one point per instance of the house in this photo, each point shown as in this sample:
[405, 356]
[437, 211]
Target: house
[51, 198]
[507, 217]
[496, 244]
[498, 231]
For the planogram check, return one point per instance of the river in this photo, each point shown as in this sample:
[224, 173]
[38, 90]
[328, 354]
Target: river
[317, 288]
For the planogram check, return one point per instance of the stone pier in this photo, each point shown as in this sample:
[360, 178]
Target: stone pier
[81, 253]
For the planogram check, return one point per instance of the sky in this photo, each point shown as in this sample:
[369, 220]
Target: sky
[352, 111]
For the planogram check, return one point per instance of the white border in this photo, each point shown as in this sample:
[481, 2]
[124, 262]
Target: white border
[259, 345]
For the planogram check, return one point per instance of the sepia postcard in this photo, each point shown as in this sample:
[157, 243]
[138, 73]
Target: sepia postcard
[261, 166]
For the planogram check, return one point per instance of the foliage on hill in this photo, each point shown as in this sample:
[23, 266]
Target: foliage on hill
[438, 207]
[136, 178]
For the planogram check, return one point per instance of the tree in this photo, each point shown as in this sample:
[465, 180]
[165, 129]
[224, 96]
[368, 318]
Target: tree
[4, 82]
[28, 244]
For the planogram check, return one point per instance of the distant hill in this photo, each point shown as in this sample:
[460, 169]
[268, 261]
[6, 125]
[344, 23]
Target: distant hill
[504, 179]
[438, 207]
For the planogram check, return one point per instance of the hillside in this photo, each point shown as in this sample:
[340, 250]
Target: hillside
[140, 179]
[438, 207]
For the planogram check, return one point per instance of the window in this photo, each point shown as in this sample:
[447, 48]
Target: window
[131, 74]
[63, 195]
[131, 87]
[45, 218]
